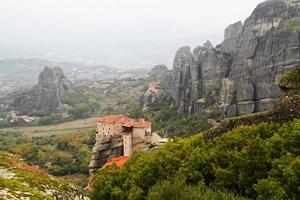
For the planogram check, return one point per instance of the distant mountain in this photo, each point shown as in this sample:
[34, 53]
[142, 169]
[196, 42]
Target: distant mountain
[29, 68]
[22, 74]
[100, 72]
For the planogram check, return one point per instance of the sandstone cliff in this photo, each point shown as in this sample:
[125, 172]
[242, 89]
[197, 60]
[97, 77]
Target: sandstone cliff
[240, 75]
[45, 97]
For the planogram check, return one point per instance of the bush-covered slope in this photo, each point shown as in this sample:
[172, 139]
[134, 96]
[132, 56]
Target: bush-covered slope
[260, 161]
[19, 180]
[60, 155]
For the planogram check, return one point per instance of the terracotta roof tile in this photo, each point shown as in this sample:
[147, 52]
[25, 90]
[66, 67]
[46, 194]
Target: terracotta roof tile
[119, 161]
[153, 88]
[124, 121]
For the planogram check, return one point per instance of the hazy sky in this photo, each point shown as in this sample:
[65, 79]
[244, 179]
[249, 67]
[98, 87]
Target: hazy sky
[113, 32]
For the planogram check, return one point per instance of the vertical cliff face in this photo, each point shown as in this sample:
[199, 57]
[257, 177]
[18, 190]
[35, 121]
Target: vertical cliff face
[198, 76]
[184, 77]
[106, 147]
[45, 97]
[240, 75]
[211, 66]
[265, 50]
[231, 37]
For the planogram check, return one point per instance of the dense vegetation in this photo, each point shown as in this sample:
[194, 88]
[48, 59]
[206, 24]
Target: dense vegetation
[60, 155]
[261, 161]
[83, 103]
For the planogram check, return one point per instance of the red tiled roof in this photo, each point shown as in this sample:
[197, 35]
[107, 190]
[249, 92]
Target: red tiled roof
[124, 121]
[110, 118]
[119, 161]
[153, 88]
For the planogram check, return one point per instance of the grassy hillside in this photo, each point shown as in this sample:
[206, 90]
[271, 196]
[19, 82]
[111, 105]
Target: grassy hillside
[19, 180]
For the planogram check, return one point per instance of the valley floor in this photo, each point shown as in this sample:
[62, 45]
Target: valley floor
[77, 126]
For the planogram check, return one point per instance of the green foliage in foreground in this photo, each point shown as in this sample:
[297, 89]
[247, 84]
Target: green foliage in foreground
[261, 161]
[61, 155]
[177, 126]
[179, 190]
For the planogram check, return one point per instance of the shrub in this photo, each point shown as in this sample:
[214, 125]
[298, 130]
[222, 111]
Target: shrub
[259, 161]
[291, 80]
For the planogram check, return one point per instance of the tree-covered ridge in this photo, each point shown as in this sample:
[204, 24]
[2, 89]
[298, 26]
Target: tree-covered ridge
[260, 161]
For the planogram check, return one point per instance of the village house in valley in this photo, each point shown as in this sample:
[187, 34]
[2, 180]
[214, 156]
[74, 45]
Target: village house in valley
[118, 136]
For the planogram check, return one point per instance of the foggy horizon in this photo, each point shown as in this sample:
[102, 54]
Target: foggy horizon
[130, 33]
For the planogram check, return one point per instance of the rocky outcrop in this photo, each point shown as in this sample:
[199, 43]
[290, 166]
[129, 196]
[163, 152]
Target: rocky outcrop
[106, 147]
[159, 73]
[213, 66]
[286, 109]
[265, 51]
[184, 79]
[152, 95]
[231, 37]
[45, 97]
[240, 75]
[208, 45]
[161, 85]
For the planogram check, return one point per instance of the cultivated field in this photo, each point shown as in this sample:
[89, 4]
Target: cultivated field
[77, 126]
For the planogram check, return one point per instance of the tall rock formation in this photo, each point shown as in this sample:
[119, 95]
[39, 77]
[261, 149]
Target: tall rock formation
[185, 79]
[162, 85]
[45, 97]
[266, 49]
[231, 37]
[240, 75]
